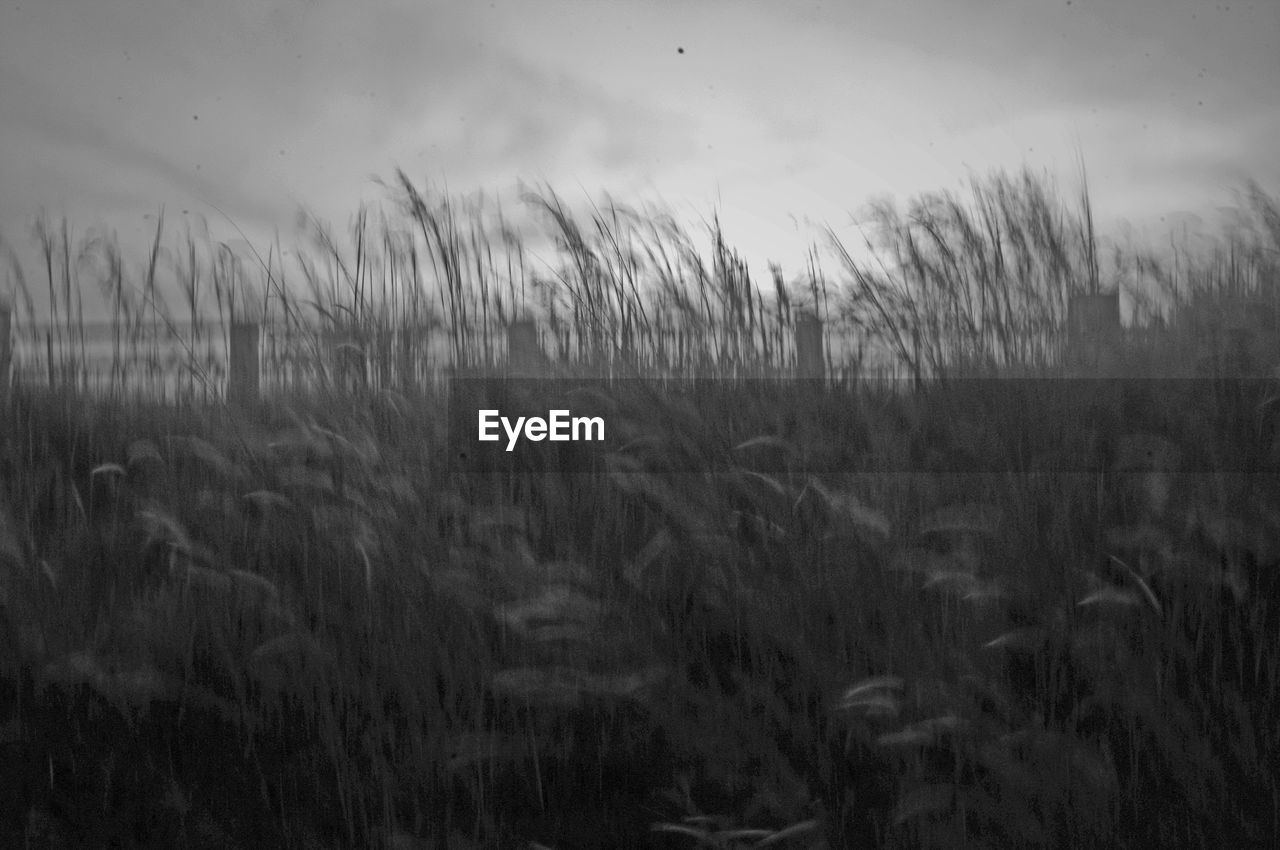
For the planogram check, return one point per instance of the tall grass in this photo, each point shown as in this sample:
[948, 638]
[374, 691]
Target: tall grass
[778, 614]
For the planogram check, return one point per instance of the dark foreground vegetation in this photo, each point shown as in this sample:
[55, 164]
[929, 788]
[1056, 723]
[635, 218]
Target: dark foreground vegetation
[971, 614]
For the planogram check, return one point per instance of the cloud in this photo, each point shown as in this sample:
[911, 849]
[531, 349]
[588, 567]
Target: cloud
[109, 109]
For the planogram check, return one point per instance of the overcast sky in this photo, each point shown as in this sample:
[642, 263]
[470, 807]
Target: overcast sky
[782, 115]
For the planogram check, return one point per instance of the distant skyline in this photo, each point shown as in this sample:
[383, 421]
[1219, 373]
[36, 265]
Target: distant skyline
[784, 117]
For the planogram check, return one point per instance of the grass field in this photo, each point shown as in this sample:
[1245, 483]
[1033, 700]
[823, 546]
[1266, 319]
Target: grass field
[942, 612]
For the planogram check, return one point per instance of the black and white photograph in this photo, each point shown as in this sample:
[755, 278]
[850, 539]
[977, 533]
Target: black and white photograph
[657, 424]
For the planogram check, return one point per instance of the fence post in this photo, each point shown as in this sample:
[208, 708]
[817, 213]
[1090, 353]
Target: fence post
[406, 380]
[810, 363]
[1249, 332]
[524, 356]
[353, 358]
[243, 378]
[6, 348]
[1093, 331]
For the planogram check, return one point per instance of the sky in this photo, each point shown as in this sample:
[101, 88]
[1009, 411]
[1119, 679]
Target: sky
[782, 117]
